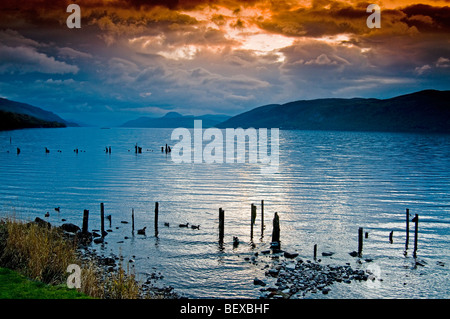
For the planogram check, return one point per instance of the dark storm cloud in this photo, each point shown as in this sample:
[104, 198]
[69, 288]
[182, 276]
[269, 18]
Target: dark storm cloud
[217, 56]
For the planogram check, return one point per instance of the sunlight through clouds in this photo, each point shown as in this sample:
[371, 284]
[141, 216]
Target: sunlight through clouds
[226, 56]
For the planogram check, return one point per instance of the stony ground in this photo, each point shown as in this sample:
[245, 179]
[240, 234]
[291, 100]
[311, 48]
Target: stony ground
[108, 265]
[295, 277]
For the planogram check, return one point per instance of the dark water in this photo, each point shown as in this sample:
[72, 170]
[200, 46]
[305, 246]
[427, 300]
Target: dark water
[328, 185]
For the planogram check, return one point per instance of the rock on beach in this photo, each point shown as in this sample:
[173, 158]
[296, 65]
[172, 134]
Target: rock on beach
[69, 227]
[295, 278]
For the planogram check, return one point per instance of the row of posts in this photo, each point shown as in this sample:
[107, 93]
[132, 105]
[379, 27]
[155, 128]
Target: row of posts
[84, 229]
[416, 234]
[275, 231]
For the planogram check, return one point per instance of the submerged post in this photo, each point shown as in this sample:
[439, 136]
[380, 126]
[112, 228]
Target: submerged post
[276, 232]
[262, 218]
[407, 230]
[85, 221]
[252, 219]
[315, 251]
[360, 241]
[156, 219]
[132, 220]
[102, 219]
[221, 225]
[416, 233]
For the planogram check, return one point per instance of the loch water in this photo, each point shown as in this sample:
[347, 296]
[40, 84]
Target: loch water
[328, 184]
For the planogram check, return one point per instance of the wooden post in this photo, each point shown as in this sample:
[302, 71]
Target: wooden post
[416, 233]
[132, 220]
[276, 230]
[360, 241]
[102, 219]
[407, 230]
[315, 251]
[85, 221]
[221, 225]
[262, 218]
[156, 219]
[252, 220]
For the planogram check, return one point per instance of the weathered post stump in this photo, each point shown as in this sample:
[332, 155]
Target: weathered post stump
[262, 218]
[416, 234]
[132, 220]
[85, 221]
[360, 241]
[221, 225]
[252, 219]
[407, 230]
[102, 219]
[156, 219]
[275, 244]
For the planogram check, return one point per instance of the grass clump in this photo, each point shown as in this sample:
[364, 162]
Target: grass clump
[42, 253]
[123, 285]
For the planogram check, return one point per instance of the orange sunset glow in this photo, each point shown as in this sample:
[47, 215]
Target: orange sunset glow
[225, 156]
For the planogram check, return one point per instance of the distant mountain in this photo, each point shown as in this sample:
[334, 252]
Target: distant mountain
[174, 120]
[14, 121]
[424, 111]
[17, 115]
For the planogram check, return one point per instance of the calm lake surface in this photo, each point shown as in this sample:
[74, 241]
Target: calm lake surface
[328, 185]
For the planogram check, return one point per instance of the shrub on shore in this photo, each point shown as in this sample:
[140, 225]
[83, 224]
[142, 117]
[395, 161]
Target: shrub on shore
[43, 253]
[40, 253]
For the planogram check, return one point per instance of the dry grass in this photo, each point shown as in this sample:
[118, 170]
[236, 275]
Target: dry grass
[91, 281]
[43, 254]
[38, 252]
[123, 285]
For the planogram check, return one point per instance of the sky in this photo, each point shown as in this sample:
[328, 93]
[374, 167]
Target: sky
[133, 58]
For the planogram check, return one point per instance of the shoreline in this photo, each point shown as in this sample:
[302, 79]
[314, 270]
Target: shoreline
[287, 275]
[112, 264]
[294, 276]
[99, 275]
